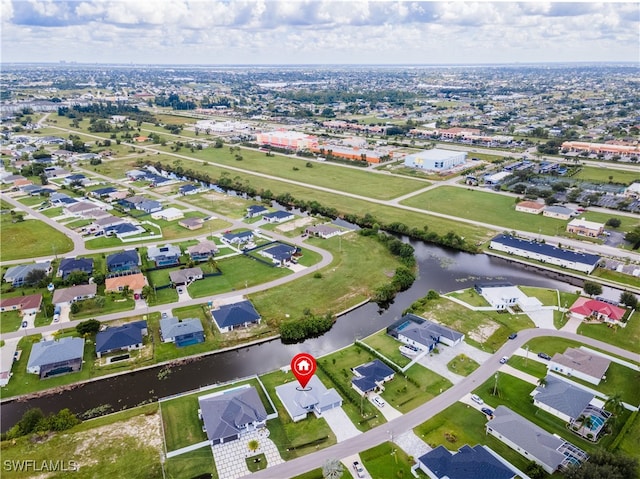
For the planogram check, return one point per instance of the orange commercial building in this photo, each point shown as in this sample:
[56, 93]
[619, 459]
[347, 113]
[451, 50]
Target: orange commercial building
[606, 148]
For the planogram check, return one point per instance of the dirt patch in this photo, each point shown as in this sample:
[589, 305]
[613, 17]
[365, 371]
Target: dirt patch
[291, 225]
[146, 430]
[483, 332]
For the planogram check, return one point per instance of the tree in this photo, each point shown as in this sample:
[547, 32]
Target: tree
[34, 277]
[629, 299]
[90, 326]
[614, 404]
[535, 471]
[603, 464]
[75, 307]
[253, 445]
[30, 420]
[633, 237]
[332, 469]
[591, 288]
[613, 222]
[76, 277]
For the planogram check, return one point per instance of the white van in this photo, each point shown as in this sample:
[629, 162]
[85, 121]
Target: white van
[379, 401]
[477, 399]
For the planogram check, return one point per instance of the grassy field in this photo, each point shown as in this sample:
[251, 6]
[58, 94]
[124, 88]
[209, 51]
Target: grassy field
[469, 296]
[191, 464]
[30, 232]
[470, 322]
[387, 461]
[601, 175]
[462, 365]
[627, 338]
[124, 445]
[498, 210]
[548, 297]
[290, 437]
[360, 264]
[617, 277]
[10, 321]
[317, 474]
[387, 346]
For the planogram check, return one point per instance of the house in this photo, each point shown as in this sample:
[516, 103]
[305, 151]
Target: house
[548, 450]
[191, 223]
[323, 231]
[60, 199]
[255, 210]
[75, 293]
[440, 463]
[371, 377]
[135, 282]
[230, 316]
[280, 254]
[123, 261]
[77, 178]
[545, 253]
[314, 398]
[237, 238]
[166, 255]
[278, 216]
[188, 190]
[81, 208]
[560, 212]
[69, 265]
[185, 276]
[423, 334]
[135, 175]
[17, 275]
[149, 206]
[502, 296]
[168, 214]
[202, 251]
[561, 398]
[592, 308]
[580, 364]
[52, 358]
[108, 221]
[582, 227]
[132, 202]
[121, 338]
[230, 414]
[532, 207]
[102, 192]
[183, 333]
[27, 305]
[123, 230]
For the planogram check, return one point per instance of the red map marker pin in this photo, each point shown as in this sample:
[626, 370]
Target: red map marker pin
[303, 366]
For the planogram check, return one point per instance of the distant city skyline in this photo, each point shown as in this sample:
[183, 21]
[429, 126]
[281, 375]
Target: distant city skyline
[255, 32]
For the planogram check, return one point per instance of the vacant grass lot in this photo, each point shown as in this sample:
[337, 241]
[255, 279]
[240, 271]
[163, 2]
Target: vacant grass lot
[498, 210]
[387, 460]
[229, 206]
[15, 237]
[601, 175]
[10, 321]
[119, 446]
[466, 321]
[627, 338]
[191, 464]
[350, 279]
[290, 437]
[548, 297]
[514, 393]
[462, 365]
[469, 296]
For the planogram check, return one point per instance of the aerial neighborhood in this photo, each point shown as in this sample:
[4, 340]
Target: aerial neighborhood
[460, 256]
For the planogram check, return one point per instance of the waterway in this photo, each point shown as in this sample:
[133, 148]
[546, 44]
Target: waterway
[439, 268]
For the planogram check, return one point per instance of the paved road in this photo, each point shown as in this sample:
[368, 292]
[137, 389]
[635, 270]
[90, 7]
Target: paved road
[388, 431]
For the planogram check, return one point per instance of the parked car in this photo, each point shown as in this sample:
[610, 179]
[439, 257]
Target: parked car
[513, 335]
[180, 290]
[504, 359]
[477, 399]
[487, 411]
[544, 356]
[379, 401]
[24, 324]
[358, 468]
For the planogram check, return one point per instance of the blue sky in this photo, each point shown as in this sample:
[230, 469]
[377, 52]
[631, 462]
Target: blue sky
[317, 31]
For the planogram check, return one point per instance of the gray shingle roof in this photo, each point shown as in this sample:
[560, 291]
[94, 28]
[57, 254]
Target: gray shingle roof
[172, 327]
[225, 415]
[298, 402]
[120, 337]
[580, 360]
[235, 314]
[50, 352]
[20, 272]
[528, 436]
[563, 397]
[467, 463]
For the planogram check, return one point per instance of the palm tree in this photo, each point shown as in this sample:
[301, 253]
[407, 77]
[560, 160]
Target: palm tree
[614, 404]
[213, 264]
[542, 382]
[253, 445]
[332, 469]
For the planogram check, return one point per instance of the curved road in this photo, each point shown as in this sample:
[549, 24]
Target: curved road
[388, 431]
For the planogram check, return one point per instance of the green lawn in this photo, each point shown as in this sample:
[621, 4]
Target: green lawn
[387, 346]
[350, 279]
[171, 230]
[114, 303]
[462, 365]
[422, 385]
[10, 321]
[191, 464]
[548, 297]
[627, 338]
[229, 206]
[293, 438]
[601, 175]
[469, 296]
[105, 447]
[15, 236]
[617, 277]
[387, 461]
[317, 474]
[466, 321]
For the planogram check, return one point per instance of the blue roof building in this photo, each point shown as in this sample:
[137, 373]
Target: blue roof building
[467, 463]
[371, 376]
[122, 230]
[17, 275]
[51, 358]
[183, 333]
[122, 338]
[280, 254]
[188, 189]
[255, 210]
[278, 216]
[546, 253]
[237, 238]
[123, 261]
[101, 192]
[68, 265]
[230, 316]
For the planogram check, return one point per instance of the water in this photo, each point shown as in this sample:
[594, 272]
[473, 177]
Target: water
[440, 269]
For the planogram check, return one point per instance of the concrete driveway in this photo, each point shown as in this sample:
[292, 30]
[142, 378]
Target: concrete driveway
[340, 424]
[542, 318]
[438, 362]
[348, 464]
[388, 411]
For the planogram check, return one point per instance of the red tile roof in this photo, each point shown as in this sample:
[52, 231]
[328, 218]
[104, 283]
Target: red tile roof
[588, 307]
[32, 301]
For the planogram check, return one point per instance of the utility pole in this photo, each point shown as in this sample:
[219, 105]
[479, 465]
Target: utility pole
[495, 385]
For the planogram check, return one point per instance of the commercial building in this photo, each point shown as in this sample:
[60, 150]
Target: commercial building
[436, 159]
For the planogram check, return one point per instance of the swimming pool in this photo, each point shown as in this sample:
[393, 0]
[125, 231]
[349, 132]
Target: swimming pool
[596, 422]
